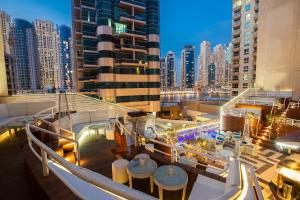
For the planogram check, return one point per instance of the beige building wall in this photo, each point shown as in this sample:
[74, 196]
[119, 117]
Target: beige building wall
[278, 61]
[3, 78]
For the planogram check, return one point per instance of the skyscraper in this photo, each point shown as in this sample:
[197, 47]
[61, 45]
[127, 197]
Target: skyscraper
[170, 70]
[48, 52]
[117, 51]
[219, 61]
[228, 64]
[66, 69]
[24, 52]
[187, 67]
[203, 62]
[211, 74]
[7, 76]
[244, 41]
[163, 74]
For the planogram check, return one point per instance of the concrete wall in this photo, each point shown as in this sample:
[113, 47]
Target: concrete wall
[202, 107]
[278, 58]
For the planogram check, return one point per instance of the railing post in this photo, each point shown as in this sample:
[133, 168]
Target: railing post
[77, 153]
[44, 163]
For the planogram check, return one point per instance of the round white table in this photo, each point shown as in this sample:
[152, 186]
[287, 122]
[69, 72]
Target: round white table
[226, 154]
[177, 181]
[135, 170]
[119, 173]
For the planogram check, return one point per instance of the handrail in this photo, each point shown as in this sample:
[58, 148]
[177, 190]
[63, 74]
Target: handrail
[120, 190]
[61, 136]
[257, 189]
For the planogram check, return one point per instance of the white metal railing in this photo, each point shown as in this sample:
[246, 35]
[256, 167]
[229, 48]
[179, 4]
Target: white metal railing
[253, 179]
[121, 191]
[292, 122]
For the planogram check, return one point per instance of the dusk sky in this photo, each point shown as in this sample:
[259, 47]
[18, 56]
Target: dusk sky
[182, 21]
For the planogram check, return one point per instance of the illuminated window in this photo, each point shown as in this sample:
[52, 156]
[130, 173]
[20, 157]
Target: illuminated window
[245, 77]
[248, 17]
[247, 38]
[248, 1]
[120, 28]
[248, 7]
[237, 3]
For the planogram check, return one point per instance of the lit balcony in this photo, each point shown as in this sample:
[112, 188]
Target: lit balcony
[131, 62]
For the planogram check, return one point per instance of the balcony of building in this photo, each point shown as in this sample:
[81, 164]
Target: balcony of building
[237, 8]
[236, 49]
[138, 32]
[138, 5]
[236, 32]
[237, 16]
[256, 16]
[236, 24]
[256, 7]
[137, 18]
[235, 40]
[255, 34]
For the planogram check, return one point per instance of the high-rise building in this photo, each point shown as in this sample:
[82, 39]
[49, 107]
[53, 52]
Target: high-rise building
[244, 41]
[228, 64]
[162, 74]
[219, 61]
[116, 51]
[203, 62]
[278, 58]
[48, 52]
[211, 74]
[66, 69]
[187, 67]
[24, 53]
[7, 76]
[170, 70]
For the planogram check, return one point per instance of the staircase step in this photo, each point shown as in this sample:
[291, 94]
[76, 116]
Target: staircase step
[62, 142]
[68, 147]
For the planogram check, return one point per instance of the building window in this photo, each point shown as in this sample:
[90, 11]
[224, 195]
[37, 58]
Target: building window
[247, 25]
[247, 17]
[247, 38]
[237, 3]
[245, 85]
[248, 7]
[246, 68]
[246, 51]
[246, 60]
[248, 1]
[245, 77]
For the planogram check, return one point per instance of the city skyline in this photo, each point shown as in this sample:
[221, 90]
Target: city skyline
[172, 38]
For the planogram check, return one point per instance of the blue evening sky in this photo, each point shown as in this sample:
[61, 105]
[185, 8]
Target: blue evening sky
[182, 21]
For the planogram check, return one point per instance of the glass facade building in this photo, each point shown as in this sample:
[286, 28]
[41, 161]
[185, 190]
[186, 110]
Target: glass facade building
[116, 51]
[187, 68]
[66, 69]
[25, 57]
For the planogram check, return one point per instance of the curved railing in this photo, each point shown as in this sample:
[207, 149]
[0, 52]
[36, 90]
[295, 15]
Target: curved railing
[102, 182]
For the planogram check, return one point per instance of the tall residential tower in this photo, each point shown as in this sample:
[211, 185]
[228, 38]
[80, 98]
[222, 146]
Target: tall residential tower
[203, 63]
[116, 51]
[187, 67]
[48, 51]
[244, 41]
[170, 70]
[25, 56]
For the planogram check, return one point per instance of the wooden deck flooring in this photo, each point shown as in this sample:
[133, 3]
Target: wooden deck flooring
[96, 155]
